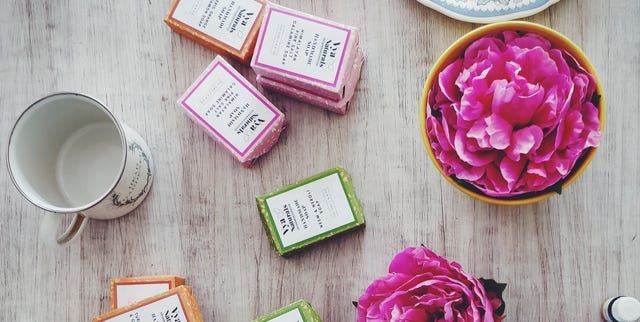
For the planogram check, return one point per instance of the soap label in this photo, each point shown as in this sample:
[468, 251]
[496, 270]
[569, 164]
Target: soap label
[302, 46]
[228, 106]
[309, 210]
[228, 21]
[168, 309]
[291, 316]
[130, 293]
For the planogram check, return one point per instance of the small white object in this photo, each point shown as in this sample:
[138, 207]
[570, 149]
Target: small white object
[621, 309]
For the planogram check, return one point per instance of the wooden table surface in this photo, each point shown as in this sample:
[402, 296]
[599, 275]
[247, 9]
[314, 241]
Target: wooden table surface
[561, 257]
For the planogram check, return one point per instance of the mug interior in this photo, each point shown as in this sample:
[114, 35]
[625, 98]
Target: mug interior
[66, 152]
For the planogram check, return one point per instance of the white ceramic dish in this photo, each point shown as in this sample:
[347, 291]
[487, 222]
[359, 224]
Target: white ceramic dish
[488, 11]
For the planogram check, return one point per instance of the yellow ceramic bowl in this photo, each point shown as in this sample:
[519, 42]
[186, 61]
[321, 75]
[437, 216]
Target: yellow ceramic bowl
[454, 52]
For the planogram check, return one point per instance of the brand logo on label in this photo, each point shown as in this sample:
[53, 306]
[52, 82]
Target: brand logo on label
[286, 220]
[329, 53]
[167, 316]
[172, 316]
[241, 20]
[251, 123]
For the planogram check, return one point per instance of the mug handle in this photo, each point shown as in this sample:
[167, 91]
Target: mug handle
[51, 222]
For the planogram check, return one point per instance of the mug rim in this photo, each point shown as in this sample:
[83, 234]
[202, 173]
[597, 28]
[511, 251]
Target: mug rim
[461, 43]
[123, 140]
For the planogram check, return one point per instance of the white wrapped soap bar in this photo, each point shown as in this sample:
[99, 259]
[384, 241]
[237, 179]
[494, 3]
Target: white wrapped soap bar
[233, 112]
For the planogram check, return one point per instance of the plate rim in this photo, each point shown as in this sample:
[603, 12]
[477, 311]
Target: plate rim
[486, 19]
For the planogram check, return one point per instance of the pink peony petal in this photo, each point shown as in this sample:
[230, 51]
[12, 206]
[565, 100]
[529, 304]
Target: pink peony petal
[569, 129]
[405, 262]
[477, 159]
[470, 173]
[446, 81]
[478, 49]
[412, 315]
[518, 100]
[536, 64]
[499, 132]
[524, 141]
[511, 171]
[495, 184]
[561, 63]
[561, 164]
[530, 41]
[479, 132]
[581, 90]
[480, 82]
[508, 36]
[478, 75]
[592, 125]
[545, 115]
[546, 149]
[470, 108]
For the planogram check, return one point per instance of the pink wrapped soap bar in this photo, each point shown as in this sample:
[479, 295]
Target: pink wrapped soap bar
[233, 112]
[306, 52]
[340, 106]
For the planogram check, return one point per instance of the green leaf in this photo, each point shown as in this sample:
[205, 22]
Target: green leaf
[595, 100]
[557, 187]
[491, 286]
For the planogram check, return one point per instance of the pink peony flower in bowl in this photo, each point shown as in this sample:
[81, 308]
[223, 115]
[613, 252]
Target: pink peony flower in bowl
[422, 286]
[512, 113]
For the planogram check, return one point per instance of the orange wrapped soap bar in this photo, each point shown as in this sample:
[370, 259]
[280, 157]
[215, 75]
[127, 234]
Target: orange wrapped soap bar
[229, 27]
[128, 290]
[177, 304]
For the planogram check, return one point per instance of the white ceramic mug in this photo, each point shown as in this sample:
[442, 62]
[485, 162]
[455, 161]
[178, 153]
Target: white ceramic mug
[69, 154]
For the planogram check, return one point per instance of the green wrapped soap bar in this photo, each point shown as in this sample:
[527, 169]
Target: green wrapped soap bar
[311, 210]
[300, 311]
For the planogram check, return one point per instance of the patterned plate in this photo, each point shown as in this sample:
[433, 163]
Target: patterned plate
[488, 11]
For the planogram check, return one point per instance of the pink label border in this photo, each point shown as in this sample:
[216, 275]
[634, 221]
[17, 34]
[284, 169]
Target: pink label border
[272, 108]
[258, 51]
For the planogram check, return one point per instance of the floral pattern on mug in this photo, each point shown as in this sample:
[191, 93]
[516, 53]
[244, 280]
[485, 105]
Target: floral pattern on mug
[512, 115]
[422, 286]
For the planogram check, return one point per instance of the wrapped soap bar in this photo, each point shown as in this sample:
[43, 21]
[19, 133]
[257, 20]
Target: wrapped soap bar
[340, 106]
[229, 27]
[177, 304]
[128, 290]
[310, 211]
[295, 312]
[233, 112]
[305, 51]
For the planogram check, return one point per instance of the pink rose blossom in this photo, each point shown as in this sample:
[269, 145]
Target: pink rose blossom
[422, 286]
[513, 115]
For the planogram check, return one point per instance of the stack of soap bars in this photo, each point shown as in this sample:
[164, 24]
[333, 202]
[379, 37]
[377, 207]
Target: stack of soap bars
[309, 58]
[150, 299]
